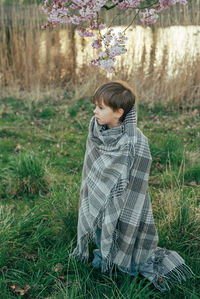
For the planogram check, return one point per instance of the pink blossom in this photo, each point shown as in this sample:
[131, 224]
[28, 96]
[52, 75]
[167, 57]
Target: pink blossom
[116, 50]
[99, 4]
[75, 20]
[127, 4]
[97, 43]
[108, 64]
[166, 3]
[107, 38]
[87, 13]
[97, 25]
[104, 62]
[148, 16]
[121, 39]
[84, 33]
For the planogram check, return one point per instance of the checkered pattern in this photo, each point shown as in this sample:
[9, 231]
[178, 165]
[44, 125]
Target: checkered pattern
[114, 197]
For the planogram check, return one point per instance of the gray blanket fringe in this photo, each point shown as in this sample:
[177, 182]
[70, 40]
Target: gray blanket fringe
[178, 275]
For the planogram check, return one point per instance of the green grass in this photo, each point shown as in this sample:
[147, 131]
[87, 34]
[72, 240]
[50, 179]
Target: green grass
[42, 148]
[26, 174]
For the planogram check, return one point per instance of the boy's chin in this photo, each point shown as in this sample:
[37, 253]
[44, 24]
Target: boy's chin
[100, 122]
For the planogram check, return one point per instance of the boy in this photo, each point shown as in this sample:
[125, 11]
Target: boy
[115, 208]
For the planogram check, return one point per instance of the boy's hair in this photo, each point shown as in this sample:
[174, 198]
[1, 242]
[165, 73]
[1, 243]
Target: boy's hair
[116, 95]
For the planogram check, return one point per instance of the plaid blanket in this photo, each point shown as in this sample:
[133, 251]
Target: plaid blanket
[114, 197]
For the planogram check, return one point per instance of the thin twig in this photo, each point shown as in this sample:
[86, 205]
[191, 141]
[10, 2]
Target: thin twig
[114, 19]
[131, 22]
[98, 25]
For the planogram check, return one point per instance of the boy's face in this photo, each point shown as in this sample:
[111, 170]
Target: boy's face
[105, 115]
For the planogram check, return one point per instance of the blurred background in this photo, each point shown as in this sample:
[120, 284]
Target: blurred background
[162, 62]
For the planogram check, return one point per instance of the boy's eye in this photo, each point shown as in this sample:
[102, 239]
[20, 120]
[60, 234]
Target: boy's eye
[100, 107]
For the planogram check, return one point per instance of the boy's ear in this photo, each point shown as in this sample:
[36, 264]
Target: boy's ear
[121, 112]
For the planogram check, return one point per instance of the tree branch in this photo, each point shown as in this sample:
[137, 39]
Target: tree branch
[131, 22]
[144, 7]
[109, 7]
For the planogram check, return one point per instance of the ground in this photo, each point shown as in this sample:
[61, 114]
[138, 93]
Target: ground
[42, 148]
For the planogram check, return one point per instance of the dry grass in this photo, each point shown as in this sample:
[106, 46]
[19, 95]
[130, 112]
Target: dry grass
[37, 63]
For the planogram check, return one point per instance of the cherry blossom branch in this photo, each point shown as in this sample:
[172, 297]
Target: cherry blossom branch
[85, 15]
